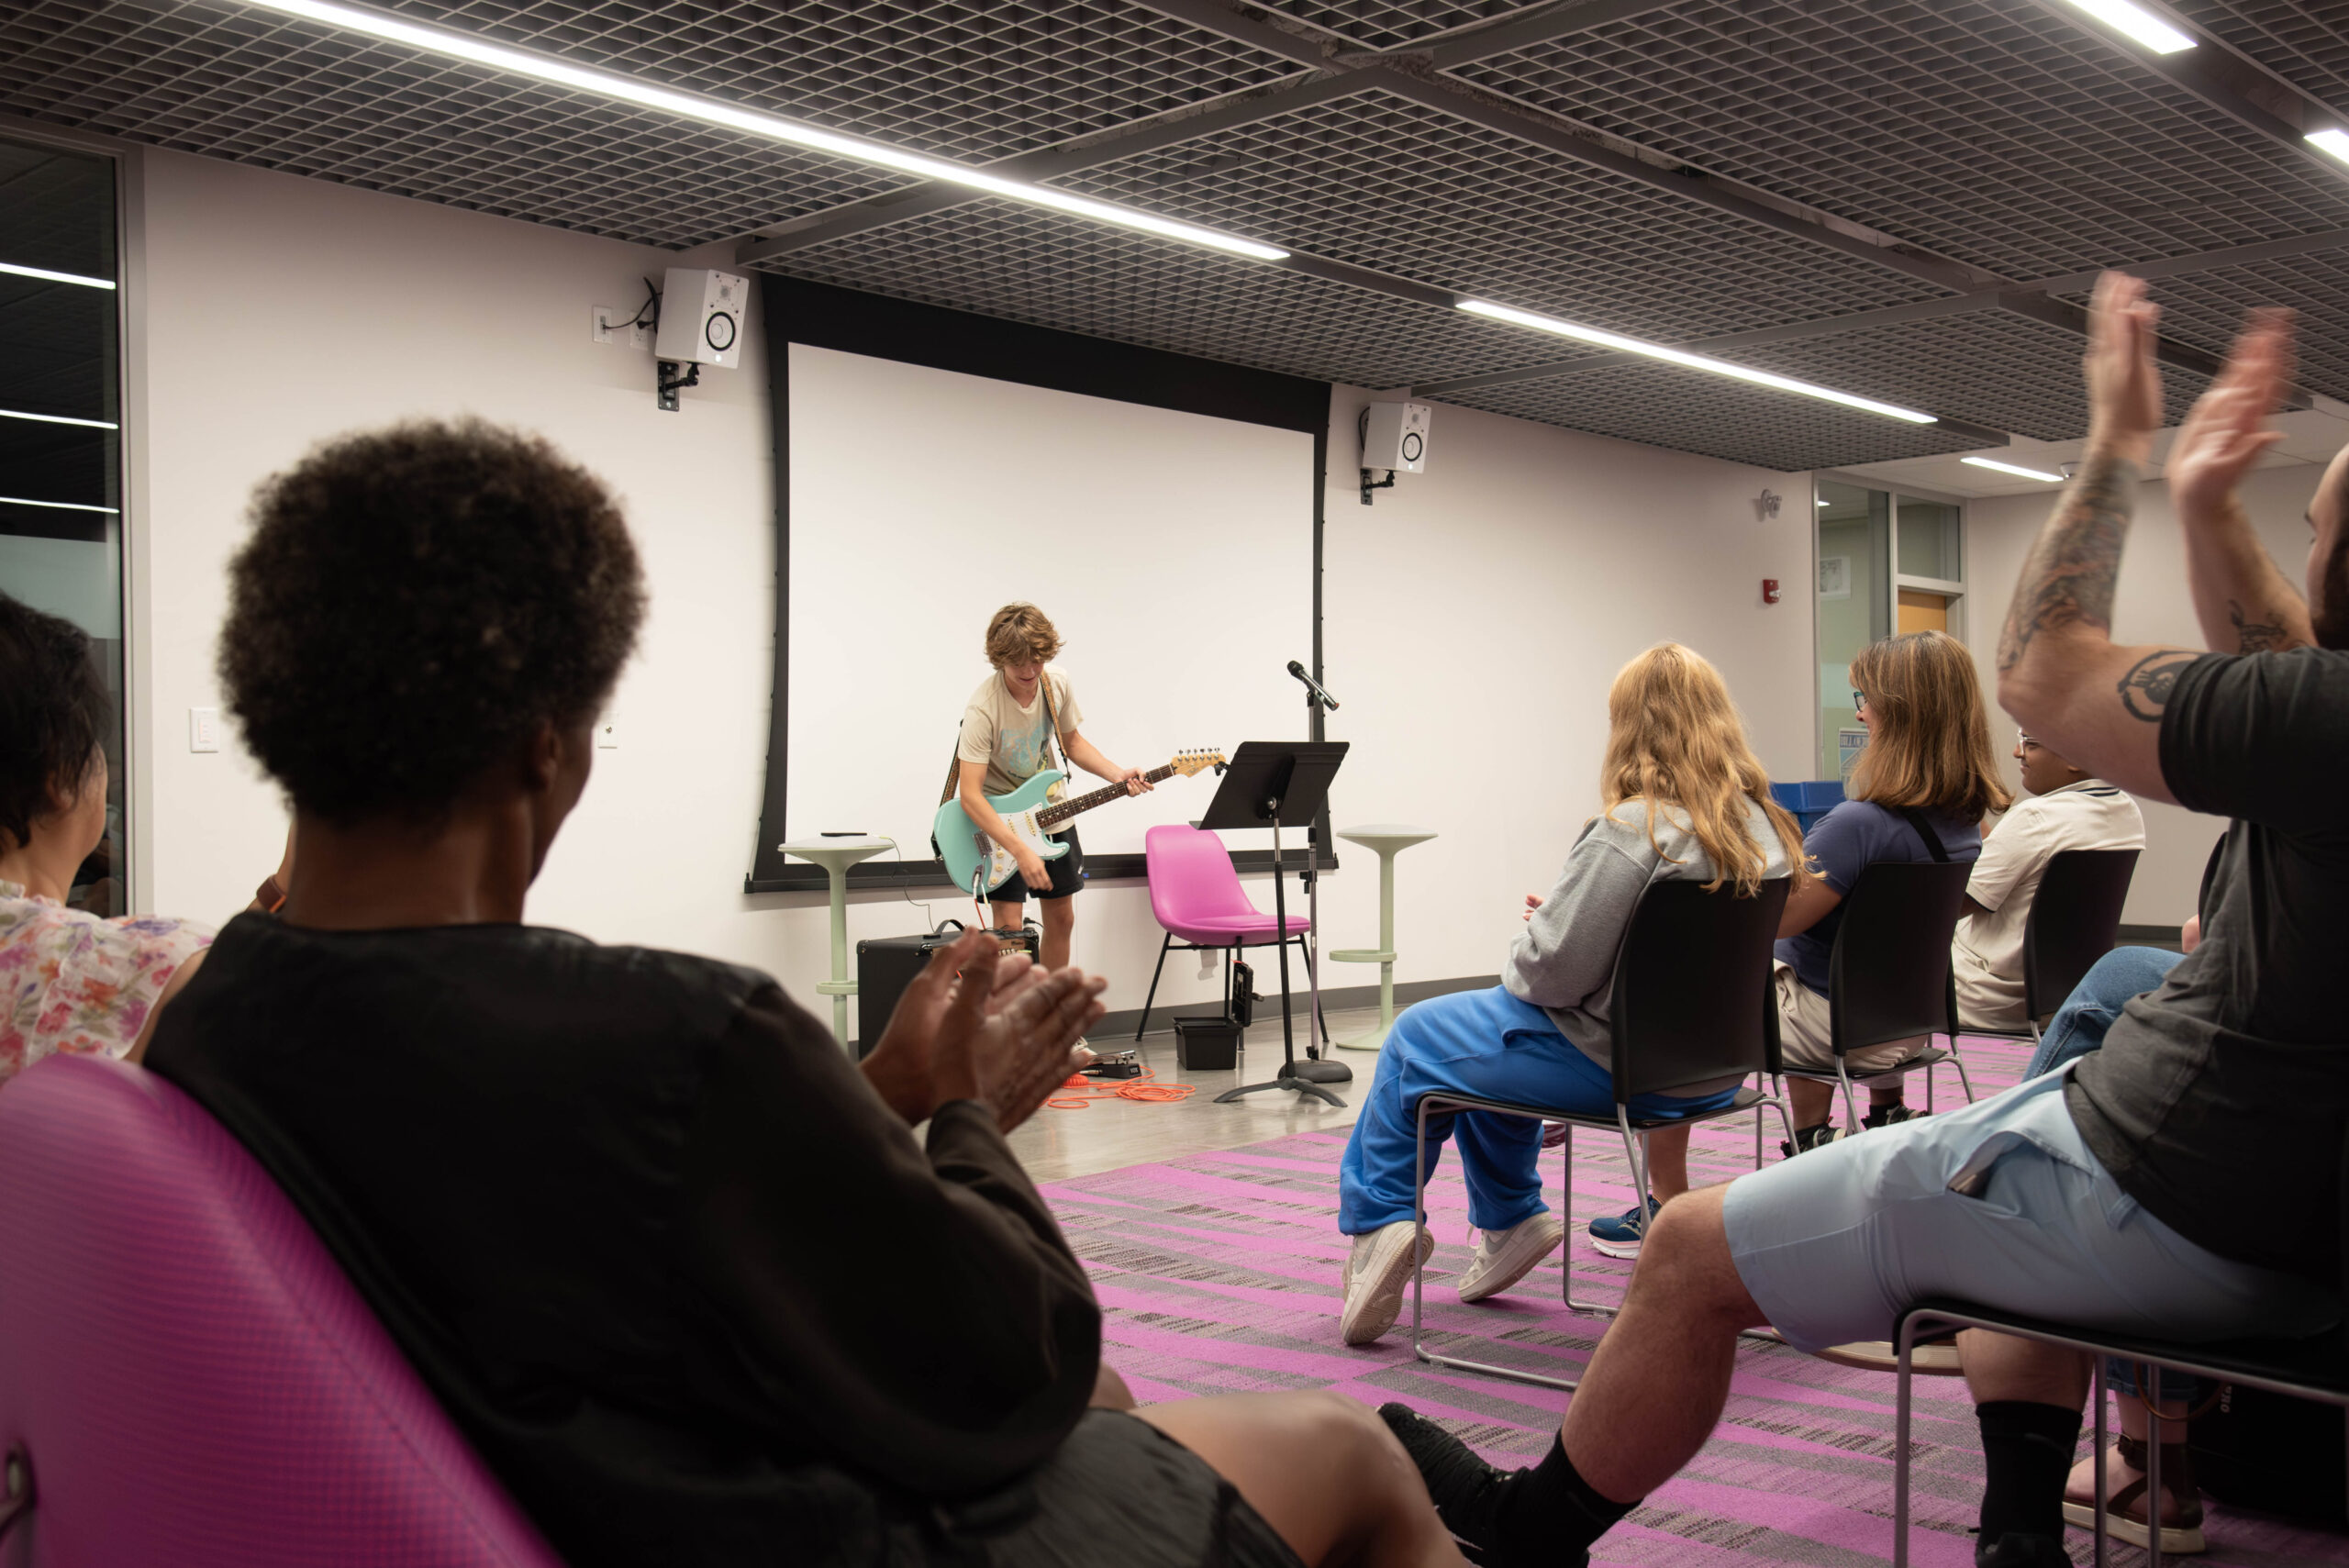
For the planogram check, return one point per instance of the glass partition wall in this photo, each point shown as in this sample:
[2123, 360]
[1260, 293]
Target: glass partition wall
[1888, 564]
[61, 471]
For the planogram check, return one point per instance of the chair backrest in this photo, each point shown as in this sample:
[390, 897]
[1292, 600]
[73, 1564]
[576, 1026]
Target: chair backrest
[191, 1377]
[1888, 977]
[1692, 998]
[1191, 876]
[2075, 920]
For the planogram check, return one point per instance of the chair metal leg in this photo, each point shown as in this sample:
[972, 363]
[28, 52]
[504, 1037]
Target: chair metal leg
[1146, 1001]
[1419, 1276]
[1850, 1115]
[1959, 1062]
[2152, 1398]
[1900, 1386]
[2100, 1461]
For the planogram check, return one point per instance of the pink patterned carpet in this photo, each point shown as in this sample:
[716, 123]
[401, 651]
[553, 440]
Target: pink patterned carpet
[1218, 1272]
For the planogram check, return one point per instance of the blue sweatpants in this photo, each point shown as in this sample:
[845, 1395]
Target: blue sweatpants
[2079, 1025]
[1489, 1044]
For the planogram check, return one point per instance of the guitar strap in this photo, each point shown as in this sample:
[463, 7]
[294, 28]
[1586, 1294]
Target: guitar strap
[1051, 743]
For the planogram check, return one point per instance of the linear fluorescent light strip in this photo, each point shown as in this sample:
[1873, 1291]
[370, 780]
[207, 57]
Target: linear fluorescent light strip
[1692, 361]
[47, 276]
[2136, 22]
[59, 419]
[58, 505]
[2010, 468]
[2333, 140]
[710, 111]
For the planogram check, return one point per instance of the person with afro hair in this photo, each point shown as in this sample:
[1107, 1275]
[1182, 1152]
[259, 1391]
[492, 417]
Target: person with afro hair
[681, 1271]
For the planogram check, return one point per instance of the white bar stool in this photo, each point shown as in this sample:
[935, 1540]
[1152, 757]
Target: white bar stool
[836, 855]
[1388, 839]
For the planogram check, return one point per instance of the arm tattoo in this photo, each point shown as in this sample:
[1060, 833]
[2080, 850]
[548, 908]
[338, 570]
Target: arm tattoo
[2068, 579]
[2258, 637]
[2146, 689]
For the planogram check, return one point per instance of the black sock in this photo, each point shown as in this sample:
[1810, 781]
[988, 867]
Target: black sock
[2027, 1451]
[1547, 1514]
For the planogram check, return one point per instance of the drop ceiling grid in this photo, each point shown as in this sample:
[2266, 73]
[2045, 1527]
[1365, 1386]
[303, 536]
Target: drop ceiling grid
[1991, 367]
[286, 95]
[1383, 24]
[1988, 130]
[2304, 42]
[1402, 188]
[970, 81]
[2205, 310]
[1023, 264]
[1662, 405]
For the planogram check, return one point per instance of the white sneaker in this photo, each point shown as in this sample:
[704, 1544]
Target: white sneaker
[1505, 1257]
[1377, 1271]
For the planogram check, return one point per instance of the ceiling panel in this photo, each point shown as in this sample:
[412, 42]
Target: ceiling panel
[1994, 132]
[2205, 310]
[1384, 24]
[1663, 405]
[1025, 264]
[2304, 42]
[1401, 188]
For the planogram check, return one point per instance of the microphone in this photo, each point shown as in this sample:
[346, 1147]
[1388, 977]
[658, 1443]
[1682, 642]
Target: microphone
[1320, 696]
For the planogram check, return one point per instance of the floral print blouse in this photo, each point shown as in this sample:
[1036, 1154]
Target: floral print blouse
[73, 982]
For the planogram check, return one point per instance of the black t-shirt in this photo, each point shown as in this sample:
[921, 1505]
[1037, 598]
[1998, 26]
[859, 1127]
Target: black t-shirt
[696, 1294]
[2221, 1099]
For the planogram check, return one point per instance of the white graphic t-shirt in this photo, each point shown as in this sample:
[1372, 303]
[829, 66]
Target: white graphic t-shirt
[1986, 952]
[1010, 738]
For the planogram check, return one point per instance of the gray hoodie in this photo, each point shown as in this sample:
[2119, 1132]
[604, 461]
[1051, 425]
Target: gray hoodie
[1564, 964]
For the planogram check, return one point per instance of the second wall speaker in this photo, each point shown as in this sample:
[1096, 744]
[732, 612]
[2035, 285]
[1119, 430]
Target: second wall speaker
[1395, 436]
[701, 316]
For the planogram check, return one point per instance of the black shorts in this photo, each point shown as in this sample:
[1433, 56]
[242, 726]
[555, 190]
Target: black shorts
[1068, 876]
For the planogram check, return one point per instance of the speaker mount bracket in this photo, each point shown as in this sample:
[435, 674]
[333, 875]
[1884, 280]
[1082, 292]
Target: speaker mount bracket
[666, 383]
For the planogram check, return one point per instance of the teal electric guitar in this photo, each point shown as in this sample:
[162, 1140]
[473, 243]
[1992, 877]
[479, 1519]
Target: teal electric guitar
[1038, 807]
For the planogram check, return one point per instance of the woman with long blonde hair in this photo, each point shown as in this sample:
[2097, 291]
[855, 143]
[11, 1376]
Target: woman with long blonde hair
[1682, 798]
[1928, 768]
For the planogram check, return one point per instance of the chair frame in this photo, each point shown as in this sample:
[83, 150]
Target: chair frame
[2036, 1006]
[1927, 1060]
[1230, 950]
[1947, 1315]
[1772, 899]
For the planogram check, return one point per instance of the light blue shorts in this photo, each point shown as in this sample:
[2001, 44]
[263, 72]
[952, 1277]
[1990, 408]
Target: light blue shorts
[1833, 1245]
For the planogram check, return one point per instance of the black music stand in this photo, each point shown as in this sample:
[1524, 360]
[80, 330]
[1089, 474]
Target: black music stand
[1278, 783]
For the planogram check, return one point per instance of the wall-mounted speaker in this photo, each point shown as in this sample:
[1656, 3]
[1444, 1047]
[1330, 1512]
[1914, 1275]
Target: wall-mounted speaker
[1395, 436]
[701, 317]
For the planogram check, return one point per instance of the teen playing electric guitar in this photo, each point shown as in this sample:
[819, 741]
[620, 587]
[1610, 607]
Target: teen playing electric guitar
[1008, 734]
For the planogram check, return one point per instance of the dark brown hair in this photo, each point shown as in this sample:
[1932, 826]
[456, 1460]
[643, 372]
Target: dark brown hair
[54, 714]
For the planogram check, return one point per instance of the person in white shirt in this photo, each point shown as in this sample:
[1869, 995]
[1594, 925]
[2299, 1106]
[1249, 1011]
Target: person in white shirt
[2065, 809]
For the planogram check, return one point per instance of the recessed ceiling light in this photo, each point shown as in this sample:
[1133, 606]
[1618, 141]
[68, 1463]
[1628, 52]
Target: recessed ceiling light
[2334, 140]
[1826, 503]
[712, 111]
[55, 505]
[2137, 22]
[58, 419]
[1693, 362]
[2010, 468]
[47, 276]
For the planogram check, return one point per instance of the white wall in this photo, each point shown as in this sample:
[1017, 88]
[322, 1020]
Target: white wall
[1476, 614]
[2151, 605]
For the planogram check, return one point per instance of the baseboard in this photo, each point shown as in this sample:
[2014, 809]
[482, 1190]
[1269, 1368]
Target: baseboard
[1333, 999]
[2146, 937]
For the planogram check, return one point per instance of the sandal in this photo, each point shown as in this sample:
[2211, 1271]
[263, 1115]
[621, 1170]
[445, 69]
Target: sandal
[2125, 1512]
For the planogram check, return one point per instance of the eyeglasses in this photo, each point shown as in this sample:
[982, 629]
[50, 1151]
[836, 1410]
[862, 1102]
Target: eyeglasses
[1859, 700]
[2023, 740]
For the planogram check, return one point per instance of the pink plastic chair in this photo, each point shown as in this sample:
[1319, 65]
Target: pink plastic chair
[1197, 896]
[190, 1376]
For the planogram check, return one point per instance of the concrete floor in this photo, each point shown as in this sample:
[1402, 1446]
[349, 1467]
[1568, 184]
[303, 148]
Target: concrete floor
[1106, 1134]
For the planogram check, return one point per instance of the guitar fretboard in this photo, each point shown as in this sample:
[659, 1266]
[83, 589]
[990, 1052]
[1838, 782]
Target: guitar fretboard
[1053, 814]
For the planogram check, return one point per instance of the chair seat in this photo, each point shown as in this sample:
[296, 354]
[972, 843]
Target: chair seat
[1223, 930]
[1746, 1098]
[2318, 1366]
[1928, 1057]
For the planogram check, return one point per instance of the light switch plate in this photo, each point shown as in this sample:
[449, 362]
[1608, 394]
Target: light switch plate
[607, 735]
[204, 729]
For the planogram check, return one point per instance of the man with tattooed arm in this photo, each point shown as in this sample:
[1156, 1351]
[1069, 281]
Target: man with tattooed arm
[2181, 1182]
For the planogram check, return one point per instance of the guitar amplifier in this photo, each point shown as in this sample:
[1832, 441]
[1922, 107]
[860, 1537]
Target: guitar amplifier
[886, 965]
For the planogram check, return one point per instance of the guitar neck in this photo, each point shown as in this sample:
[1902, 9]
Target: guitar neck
[1053, 816]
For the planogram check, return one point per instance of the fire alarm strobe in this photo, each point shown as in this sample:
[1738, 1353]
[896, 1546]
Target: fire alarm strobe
[701, 317]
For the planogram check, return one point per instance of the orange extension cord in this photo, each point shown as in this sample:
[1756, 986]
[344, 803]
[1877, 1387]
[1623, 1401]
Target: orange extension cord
[1139, 1088]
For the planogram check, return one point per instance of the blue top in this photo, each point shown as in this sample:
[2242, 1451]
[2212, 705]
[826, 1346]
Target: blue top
[1845, 842]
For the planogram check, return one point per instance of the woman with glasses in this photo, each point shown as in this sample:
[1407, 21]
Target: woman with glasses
[1928, 769]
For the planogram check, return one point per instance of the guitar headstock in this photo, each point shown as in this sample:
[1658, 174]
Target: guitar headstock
[1189, 762]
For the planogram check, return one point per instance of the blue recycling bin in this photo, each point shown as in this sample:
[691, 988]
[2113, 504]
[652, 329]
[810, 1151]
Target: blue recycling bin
[1808, 799]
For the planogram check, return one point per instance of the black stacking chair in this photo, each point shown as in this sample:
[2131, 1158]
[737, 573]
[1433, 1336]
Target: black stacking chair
[2315, 1368]
[1692, 1001]
[2075, 920]
[1888, 977]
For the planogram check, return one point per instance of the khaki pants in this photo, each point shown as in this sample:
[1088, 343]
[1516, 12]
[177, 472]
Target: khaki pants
[1804, 1034]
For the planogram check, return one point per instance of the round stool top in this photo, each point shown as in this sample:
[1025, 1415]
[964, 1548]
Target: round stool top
[838, 853]
[1386, 836]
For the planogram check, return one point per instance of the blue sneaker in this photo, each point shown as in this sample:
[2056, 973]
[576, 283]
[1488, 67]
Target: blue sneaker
[1619, 1235]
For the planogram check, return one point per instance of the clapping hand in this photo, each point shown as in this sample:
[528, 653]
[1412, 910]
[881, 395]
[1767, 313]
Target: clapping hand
[2227, 430]
[976, 1026]
[2124, 382]
[1532, 902]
